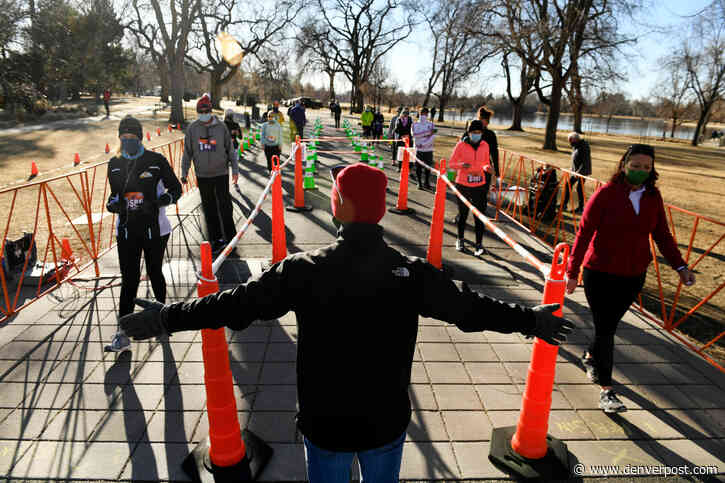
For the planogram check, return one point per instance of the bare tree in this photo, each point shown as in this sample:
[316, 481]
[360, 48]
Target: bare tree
[704, 58]
[254, 25]
[460, 52]
[527, 81]
[313, 54]
[164, 31]
[673, 92]
[563, 33]
[358, 33]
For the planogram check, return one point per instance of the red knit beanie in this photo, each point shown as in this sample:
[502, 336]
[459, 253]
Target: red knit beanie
[204, 101]
[362, 194]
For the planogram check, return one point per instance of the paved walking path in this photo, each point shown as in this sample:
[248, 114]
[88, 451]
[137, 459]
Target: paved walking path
[68, 411]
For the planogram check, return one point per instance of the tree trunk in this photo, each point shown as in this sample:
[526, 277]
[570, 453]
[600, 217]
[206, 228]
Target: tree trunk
[332, 85]
[359, 100]
[164, 79]
[215, 87]
[442, 103]
[518, 107]
[177, 93]
[552, 120]
[674, 126]
[701, 122]
[577, 100]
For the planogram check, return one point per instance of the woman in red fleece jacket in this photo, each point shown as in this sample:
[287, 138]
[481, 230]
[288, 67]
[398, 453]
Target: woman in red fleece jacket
[613, 244]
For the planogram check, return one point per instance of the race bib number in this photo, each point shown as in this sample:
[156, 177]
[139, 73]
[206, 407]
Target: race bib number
[207, 145]
[475, 178]
[134, 200]
[271, 138]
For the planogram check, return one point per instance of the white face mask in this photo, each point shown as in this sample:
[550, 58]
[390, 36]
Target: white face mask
[423, 117]
[205, 117]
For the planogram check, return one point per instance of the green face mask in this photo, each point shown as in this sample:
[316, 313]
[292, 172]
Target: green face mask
[636, 177]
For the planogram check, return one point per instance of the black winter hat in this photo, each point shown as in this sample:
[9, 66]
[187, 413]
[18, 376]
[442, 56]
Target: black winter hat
[130, 125]
[642, 149]
[476, 125]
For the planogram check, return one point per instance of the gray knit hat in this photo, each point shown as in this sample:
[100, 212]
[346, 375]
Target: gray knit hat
[130, 125]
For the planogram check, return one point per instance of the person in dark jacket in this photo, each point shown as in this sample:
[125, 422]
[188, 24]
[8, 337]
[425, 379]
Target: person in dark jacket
[356, 339]
[581, 163]
[297, 116]
[378, 122]
[337, 112]
[403, 131]
[613, 245]
[235, 131]
[134, 178]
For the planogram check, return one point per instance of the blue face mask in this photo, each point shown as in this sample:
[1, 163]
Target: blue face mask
[130, 147]
[475, 138]
[206, 117]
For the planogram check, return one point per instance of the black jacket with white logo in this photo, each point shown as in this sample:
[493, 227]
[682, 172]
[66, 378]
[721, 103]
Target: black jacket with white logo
[357, 303]
[134, 184]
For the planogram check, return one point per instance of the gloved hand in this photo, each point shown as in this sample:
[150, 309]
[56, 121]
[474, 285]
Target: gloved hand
[150, 322]
[549, 327]
[114, 204]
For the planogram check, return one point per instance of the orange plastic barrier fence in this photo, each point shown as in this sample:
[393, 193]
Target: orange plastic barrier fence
[531, 193]
[70, 205]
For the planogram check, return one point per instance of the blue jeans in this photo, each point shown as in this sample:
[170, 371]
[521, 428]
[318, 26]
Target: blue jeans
[378, 465]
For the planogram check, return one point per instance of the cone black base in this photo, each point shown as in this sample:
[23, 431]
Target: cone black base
[397, 211]
[298, 209]
[553, 466]
[199, 467]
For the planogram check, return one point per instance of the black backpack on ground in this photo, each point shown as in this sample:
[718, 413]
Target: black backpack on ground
[543, 191]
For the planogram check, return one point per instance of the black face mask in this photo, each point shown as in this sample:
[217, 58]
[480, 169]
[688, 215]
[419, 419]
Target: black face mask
[130, 146]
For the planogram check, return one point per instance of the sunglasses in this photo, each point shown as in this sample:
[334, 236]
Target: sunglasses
[334, 171]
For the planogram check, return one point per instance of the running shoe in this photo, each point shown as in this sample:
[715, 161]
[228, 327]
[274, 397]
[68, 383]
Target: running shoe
[119, 343]
[610, 403]
[591, 368]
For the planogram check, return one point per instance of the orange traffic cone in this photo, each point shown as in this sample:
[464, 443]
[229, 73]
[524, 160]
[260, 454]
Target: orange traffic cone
[178, 126]
[77, 159]
[158, 131]
[148, 136]
[108, 148]
[435, 241]
[402, 207]
[279, 237]
[33, 170]
[170, 128]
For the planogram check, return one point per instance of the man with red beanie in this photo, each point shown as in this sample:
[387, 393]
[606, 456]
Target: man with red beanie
[356, 339]
[209, 144]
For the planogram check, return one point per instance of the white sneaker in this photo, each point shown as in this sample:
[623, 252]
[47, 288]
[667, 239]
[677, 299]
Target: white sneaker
[610, 403]
[459, 245]
[119, 343]
[480, 251]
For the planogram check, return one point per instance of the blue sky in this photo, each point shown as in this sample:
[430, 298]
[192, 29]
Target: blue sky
[409, 60]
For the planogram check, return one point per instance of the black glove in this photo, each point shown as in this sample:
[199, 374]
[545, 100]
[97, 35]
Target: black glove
[150, 322]
[165, 199]
[549, 327]
[183, 180]
[114, 204]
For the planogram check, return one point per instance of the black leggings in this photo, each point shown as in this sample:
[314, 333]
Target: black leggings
[270, 151]
[216, 203]
[579, 182]
[609, 297]
[477, 196]
[129, 257]
[427, 158]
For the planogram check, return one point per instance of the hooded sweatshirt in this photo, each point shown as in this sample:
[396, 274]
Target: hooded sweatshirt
[210, 147]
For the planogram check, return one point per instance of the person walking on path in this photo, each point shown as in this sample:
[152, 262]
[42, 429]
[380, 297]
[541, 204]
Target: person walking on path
[142, 184]
[271, 138]
[356, 340]
[581, 163]
[337, 112]
[612, 244]
[433, 114]
[378, 123]
[276, 113]
[235, 131]
[471, 158]
[107, 101]
[209, 144]
[424, 134]
[392, 135]
[298, 118]
[403, 128]
[366, 120]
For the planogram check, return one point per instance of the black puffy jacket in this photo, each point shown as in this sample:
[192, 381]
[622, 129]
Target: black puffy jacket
[357, 303]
